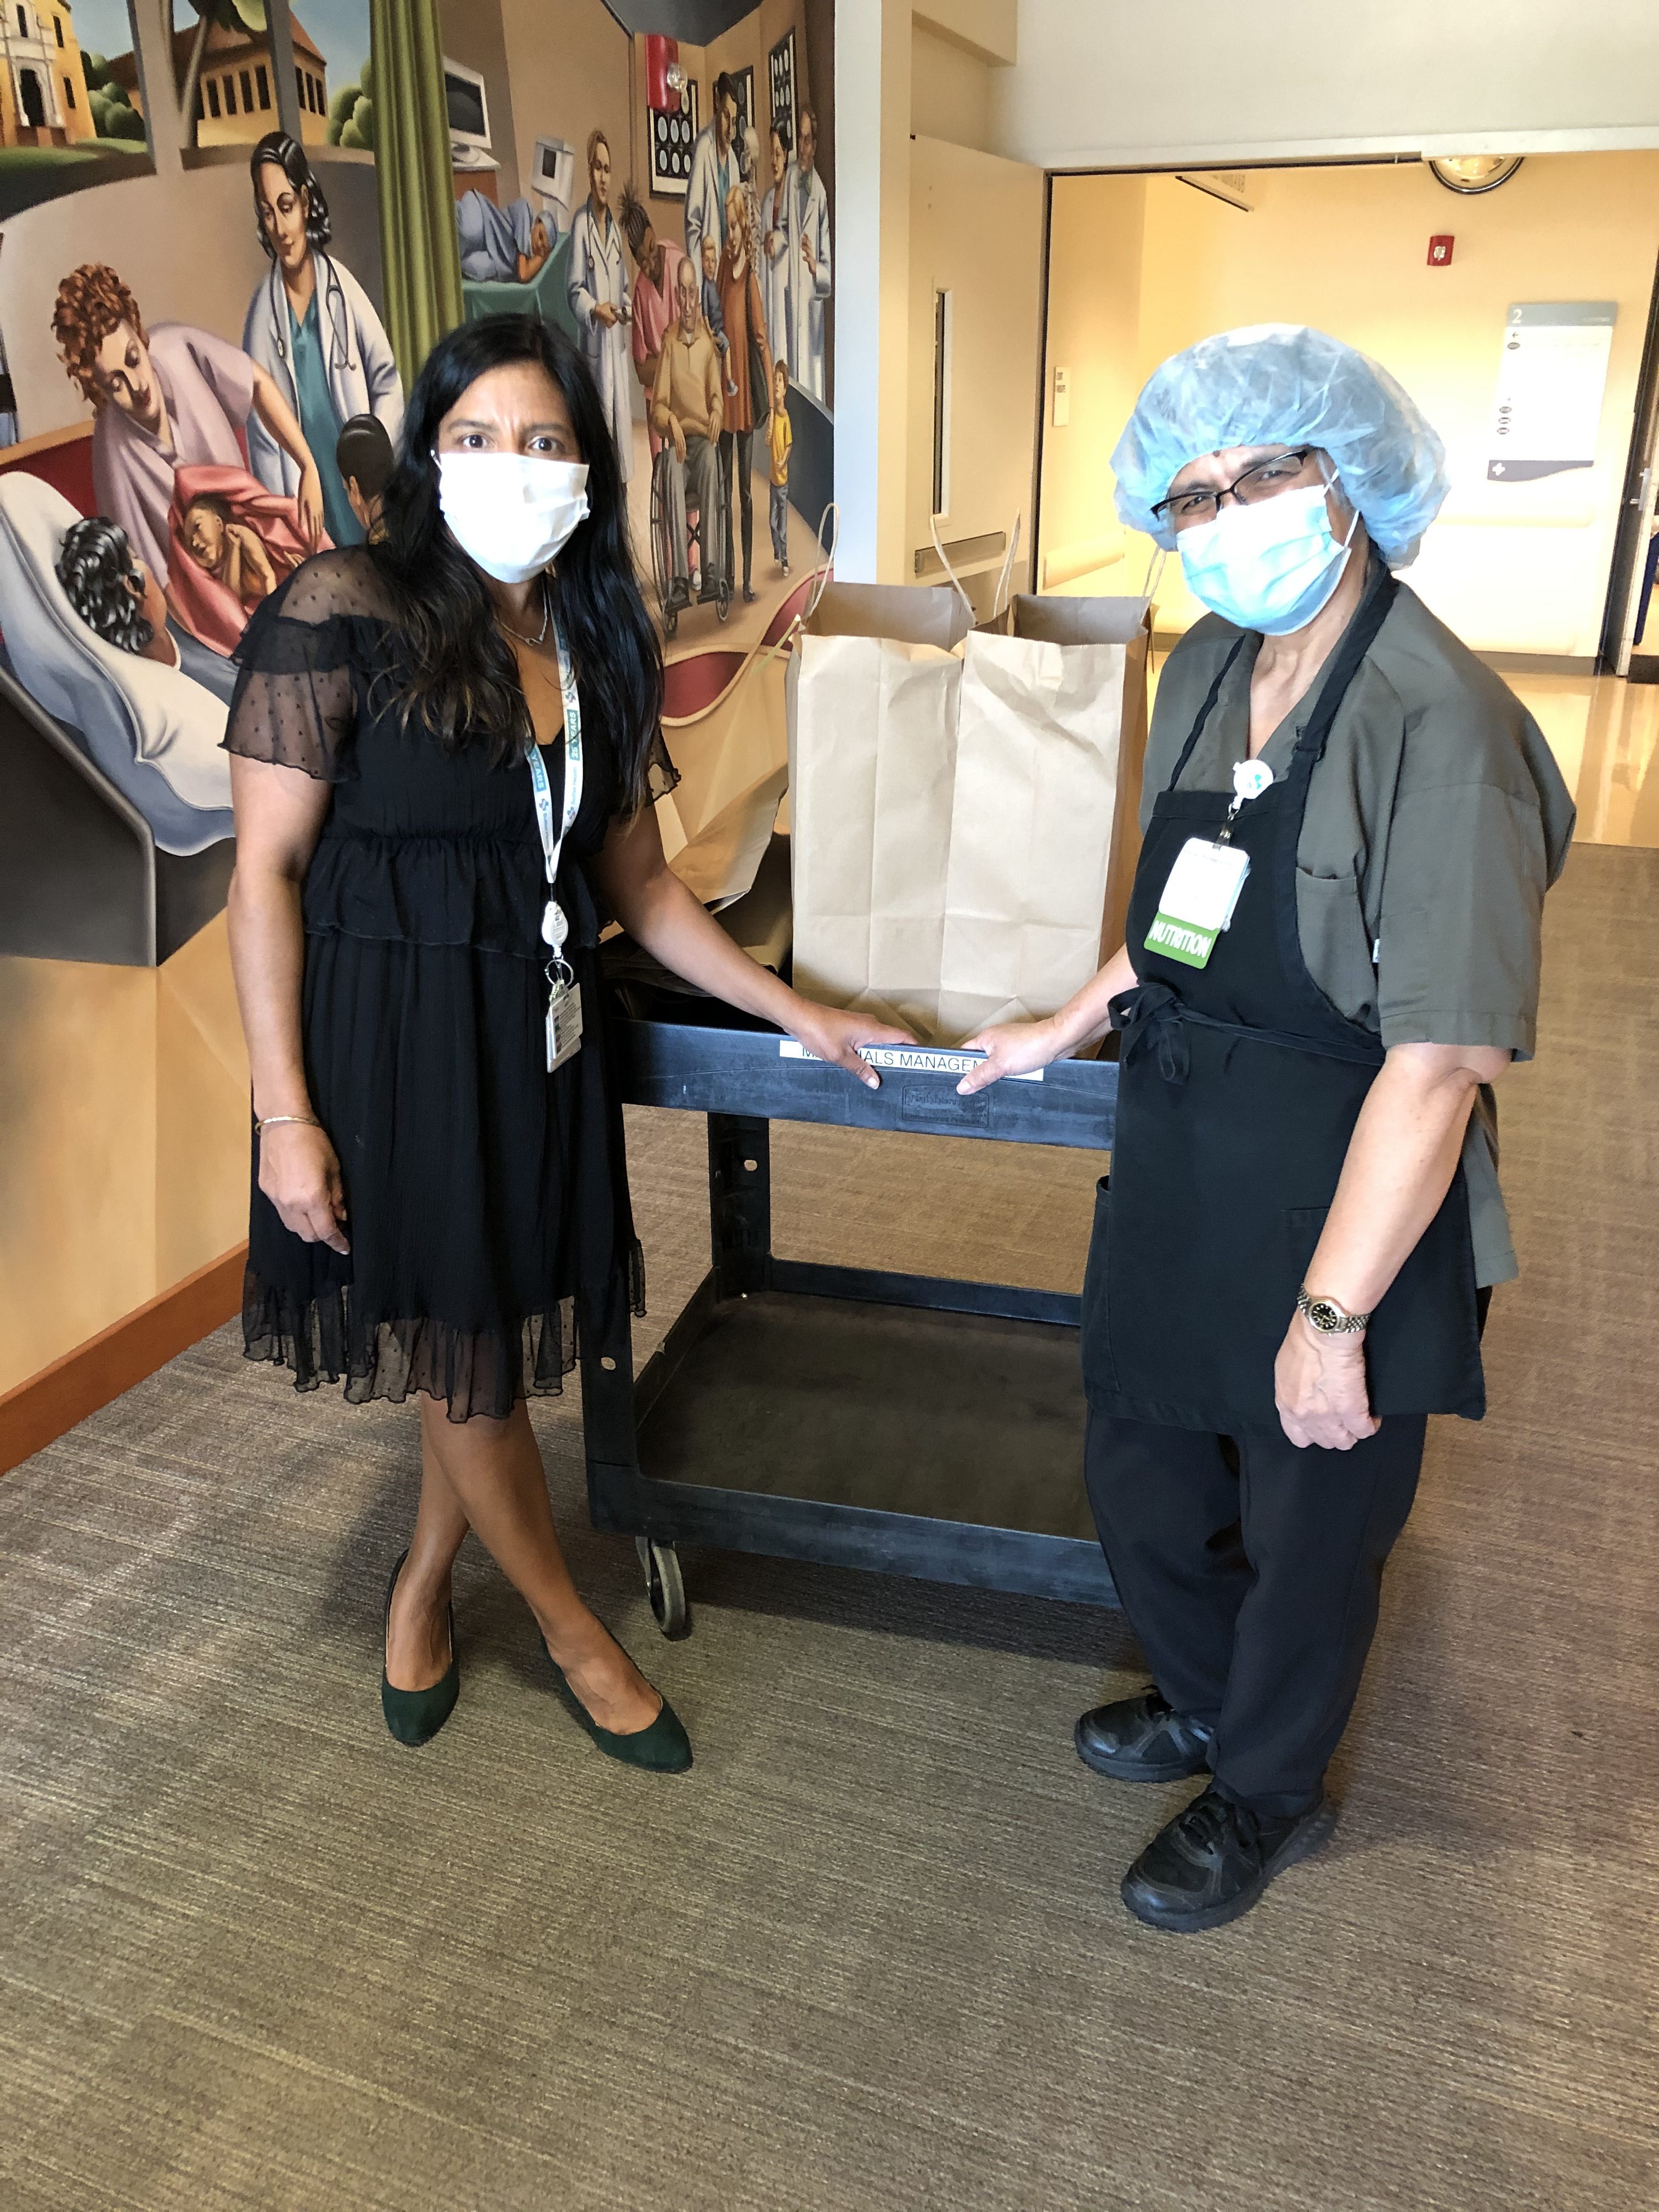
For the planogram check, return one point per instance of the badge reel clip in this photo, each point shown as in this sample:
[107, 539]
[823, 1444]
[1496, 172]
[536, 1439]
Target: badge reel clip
[564, 1005]
[1204, 885]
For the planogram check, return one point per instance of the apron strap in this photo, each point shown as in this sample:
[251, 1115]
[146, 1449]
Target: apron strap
[1356, 642]
[1206, 709]
[1360, 636]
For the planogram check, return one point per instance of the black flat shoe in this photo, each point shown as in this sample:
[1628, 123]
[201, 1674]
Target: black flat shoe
[415, 1716]
[1213, 1862]
[664, 1747]
[1142, 1740]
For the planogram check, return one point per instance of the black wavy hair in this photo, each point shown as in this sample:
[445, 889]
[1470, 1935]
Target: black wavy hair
[96, 568]
[288, 155]
[460, 675]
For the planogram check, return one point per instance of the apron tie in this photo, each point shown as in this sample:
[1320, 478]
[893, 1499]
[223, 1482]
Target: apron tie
[1154, 1016]
[1151, 1017]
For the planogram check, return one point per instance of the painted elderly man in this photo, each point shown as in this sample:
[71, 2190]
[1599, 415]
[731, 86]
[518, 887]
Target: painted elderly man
[688, 413]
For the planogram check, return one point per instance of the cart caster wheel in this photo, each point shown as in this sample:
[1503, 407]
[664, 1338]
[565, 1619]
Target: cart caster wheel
[723, 604]
[665, 1585]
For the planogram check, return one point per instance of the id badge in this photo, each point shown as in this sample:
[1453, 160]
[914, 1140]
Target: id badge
[1198, 900]
[564, 1024]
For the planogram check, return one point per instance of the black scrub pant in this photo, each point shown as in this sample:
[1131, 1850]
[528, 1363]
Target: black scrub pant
[1250, 1572]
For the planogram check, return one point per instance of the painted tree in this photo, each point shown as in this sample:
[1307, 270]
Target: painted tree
[351, 112]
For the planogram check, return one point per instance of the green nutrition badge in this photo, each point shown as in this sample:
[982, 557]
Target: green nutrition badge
[1202, 890]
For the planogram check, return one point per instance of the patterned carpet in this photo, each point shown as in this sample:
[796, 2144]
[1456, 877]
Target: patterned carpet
[868, 1957]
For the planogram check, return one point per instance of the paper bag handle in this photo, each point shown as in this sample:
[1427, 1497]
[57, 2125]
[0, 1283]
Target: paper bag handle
[943, 562]
[1000, 605]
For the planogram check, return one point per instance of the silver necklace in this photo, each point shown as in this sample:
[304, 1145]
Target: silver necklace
[540, 637]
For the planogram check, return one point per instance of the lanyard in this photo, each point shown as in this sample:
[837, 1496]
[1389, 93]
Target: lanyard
[553, 927]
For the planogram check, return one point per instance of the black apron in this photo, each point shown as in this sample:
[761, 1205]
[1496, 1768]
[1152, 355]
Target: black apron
[1239, 1085]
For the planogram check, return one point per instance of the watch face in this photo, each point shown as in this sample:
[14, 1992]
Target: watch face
[1323, 1315]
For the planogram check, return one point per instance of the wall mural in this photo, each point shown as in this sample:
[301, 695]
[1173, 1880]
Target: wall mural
[196, 389]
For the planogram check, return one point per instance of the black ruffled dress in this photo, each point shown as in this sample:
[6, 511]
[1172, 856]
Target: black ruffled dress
[487, 1200]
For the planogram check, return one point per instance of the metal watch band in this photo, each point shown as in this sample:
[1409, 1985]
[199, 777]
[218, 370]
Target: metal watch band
[1328, 1317]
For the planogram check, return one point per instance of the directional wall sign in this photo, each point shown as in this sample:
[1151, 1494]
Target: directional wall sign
[1550, 380]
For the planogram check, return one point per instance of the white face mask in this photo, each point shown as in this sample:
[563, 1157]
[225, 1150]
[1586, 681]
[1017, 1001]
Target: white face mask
[1269, 567]
[511, 513]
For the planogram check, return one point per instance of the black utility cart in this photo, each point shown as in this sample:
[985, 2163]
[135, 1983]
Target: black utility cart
[911, 1424]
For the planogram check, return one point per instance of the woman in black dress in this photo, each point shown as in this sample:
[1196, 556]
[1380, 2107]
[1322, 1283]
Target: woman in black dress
[440, 1201]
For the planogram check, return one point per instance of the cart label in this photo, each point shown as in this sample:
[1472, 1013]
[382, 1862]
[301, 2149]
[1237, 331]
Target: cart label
[922, 1103]
[910, 1060]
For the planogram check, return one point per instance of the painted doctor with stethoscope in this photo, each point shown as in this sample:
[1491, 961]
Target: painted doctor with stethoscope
[312, 327]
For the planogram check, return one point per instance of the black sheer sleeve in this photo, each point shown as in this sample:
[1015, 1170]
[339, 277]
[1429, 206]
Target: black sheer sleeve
[294, 703]
[660, 774]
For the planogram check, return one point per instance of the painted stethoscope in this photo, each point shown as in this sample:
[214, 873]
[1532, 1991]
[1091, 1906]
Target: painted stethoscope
[339, 322]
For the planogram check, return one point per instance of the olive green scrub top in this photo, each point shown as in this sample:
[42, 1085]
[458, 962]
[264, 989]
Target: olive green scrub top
[1435, 823]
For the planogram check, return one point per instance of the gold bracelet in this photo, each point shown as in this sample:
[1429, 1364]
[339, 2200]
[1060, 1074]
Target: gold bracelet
[307, 1121]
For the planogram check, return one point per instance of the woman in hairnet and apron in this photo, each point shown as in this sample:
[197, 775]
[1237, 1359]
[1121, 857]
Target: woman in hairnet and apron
[1332, 952]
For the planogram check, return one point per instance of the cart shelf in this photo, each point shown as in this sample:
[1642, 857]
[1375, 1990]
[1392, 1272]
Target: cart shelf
[911, 1424]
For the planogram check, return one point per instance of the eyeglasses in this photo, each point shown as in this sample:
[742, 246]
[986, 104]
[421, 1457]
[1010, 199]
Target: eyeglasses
[1281, 472]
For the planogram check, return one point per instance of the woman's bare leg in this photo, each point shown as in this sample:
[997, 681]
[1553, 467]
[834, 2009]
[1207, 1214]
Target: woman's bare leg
[418, 1652]
[494, 1473]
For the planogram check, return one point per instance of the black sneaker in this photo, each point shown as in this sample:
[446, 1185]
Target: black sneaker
[1142, 1740]
[1213, 1862]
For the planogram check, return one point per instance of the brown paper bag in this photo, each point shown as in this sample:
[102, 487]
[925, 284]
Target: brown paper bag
[873, 691]
[964, 819]
[1045, 833]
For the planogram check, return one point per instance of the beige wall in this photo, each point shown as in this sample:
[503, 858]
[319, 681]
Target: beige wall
[950, 90]
[975, 229]
[123, 1140]
[1095, 236]
[1510, 567]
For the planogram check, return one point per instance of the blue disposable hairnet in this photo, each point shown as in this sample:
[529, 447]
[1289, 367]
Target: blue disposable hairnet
[1280, 384]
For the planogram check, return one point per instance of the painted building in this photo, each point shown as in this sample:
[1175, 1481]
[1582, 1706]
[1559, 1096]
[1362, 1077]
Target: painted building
[43, 88]
[236, 94]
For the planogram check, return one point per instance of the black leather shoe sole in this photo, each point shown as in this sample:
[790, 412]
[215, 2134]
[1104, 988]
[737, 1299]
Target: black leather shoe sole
[1129, 1765]
[1316, 1829]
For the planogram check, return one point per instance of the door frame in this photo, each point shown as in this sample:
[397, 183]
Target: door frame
[1636, 508]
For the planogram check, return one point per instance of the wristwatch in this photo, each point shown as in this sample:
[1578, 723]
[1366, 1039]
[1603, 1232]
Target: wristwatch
[1328, 1317]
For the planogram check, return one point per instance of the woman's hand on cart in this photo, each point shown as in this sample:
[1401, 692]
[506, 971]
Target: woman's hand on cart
[1011, 1048]
[828, 1033]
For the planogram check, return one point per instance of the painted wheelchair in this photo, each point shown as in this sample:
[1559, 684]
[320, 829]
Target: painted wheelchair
[662, 550]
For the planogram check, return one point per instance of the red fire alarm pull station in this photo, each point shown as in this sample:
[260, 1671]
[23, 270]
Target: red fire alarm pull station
[1440, 250]
[661, 55]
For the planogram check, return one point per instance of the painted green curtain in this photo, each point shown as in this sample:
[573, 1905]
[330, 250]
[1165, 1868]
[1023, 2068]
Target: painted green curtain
[420, 255]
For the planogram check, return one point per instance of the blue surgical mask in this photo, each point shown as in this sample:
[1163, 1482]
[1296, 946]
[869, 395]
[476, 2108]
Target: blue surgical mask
[1270, 566]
